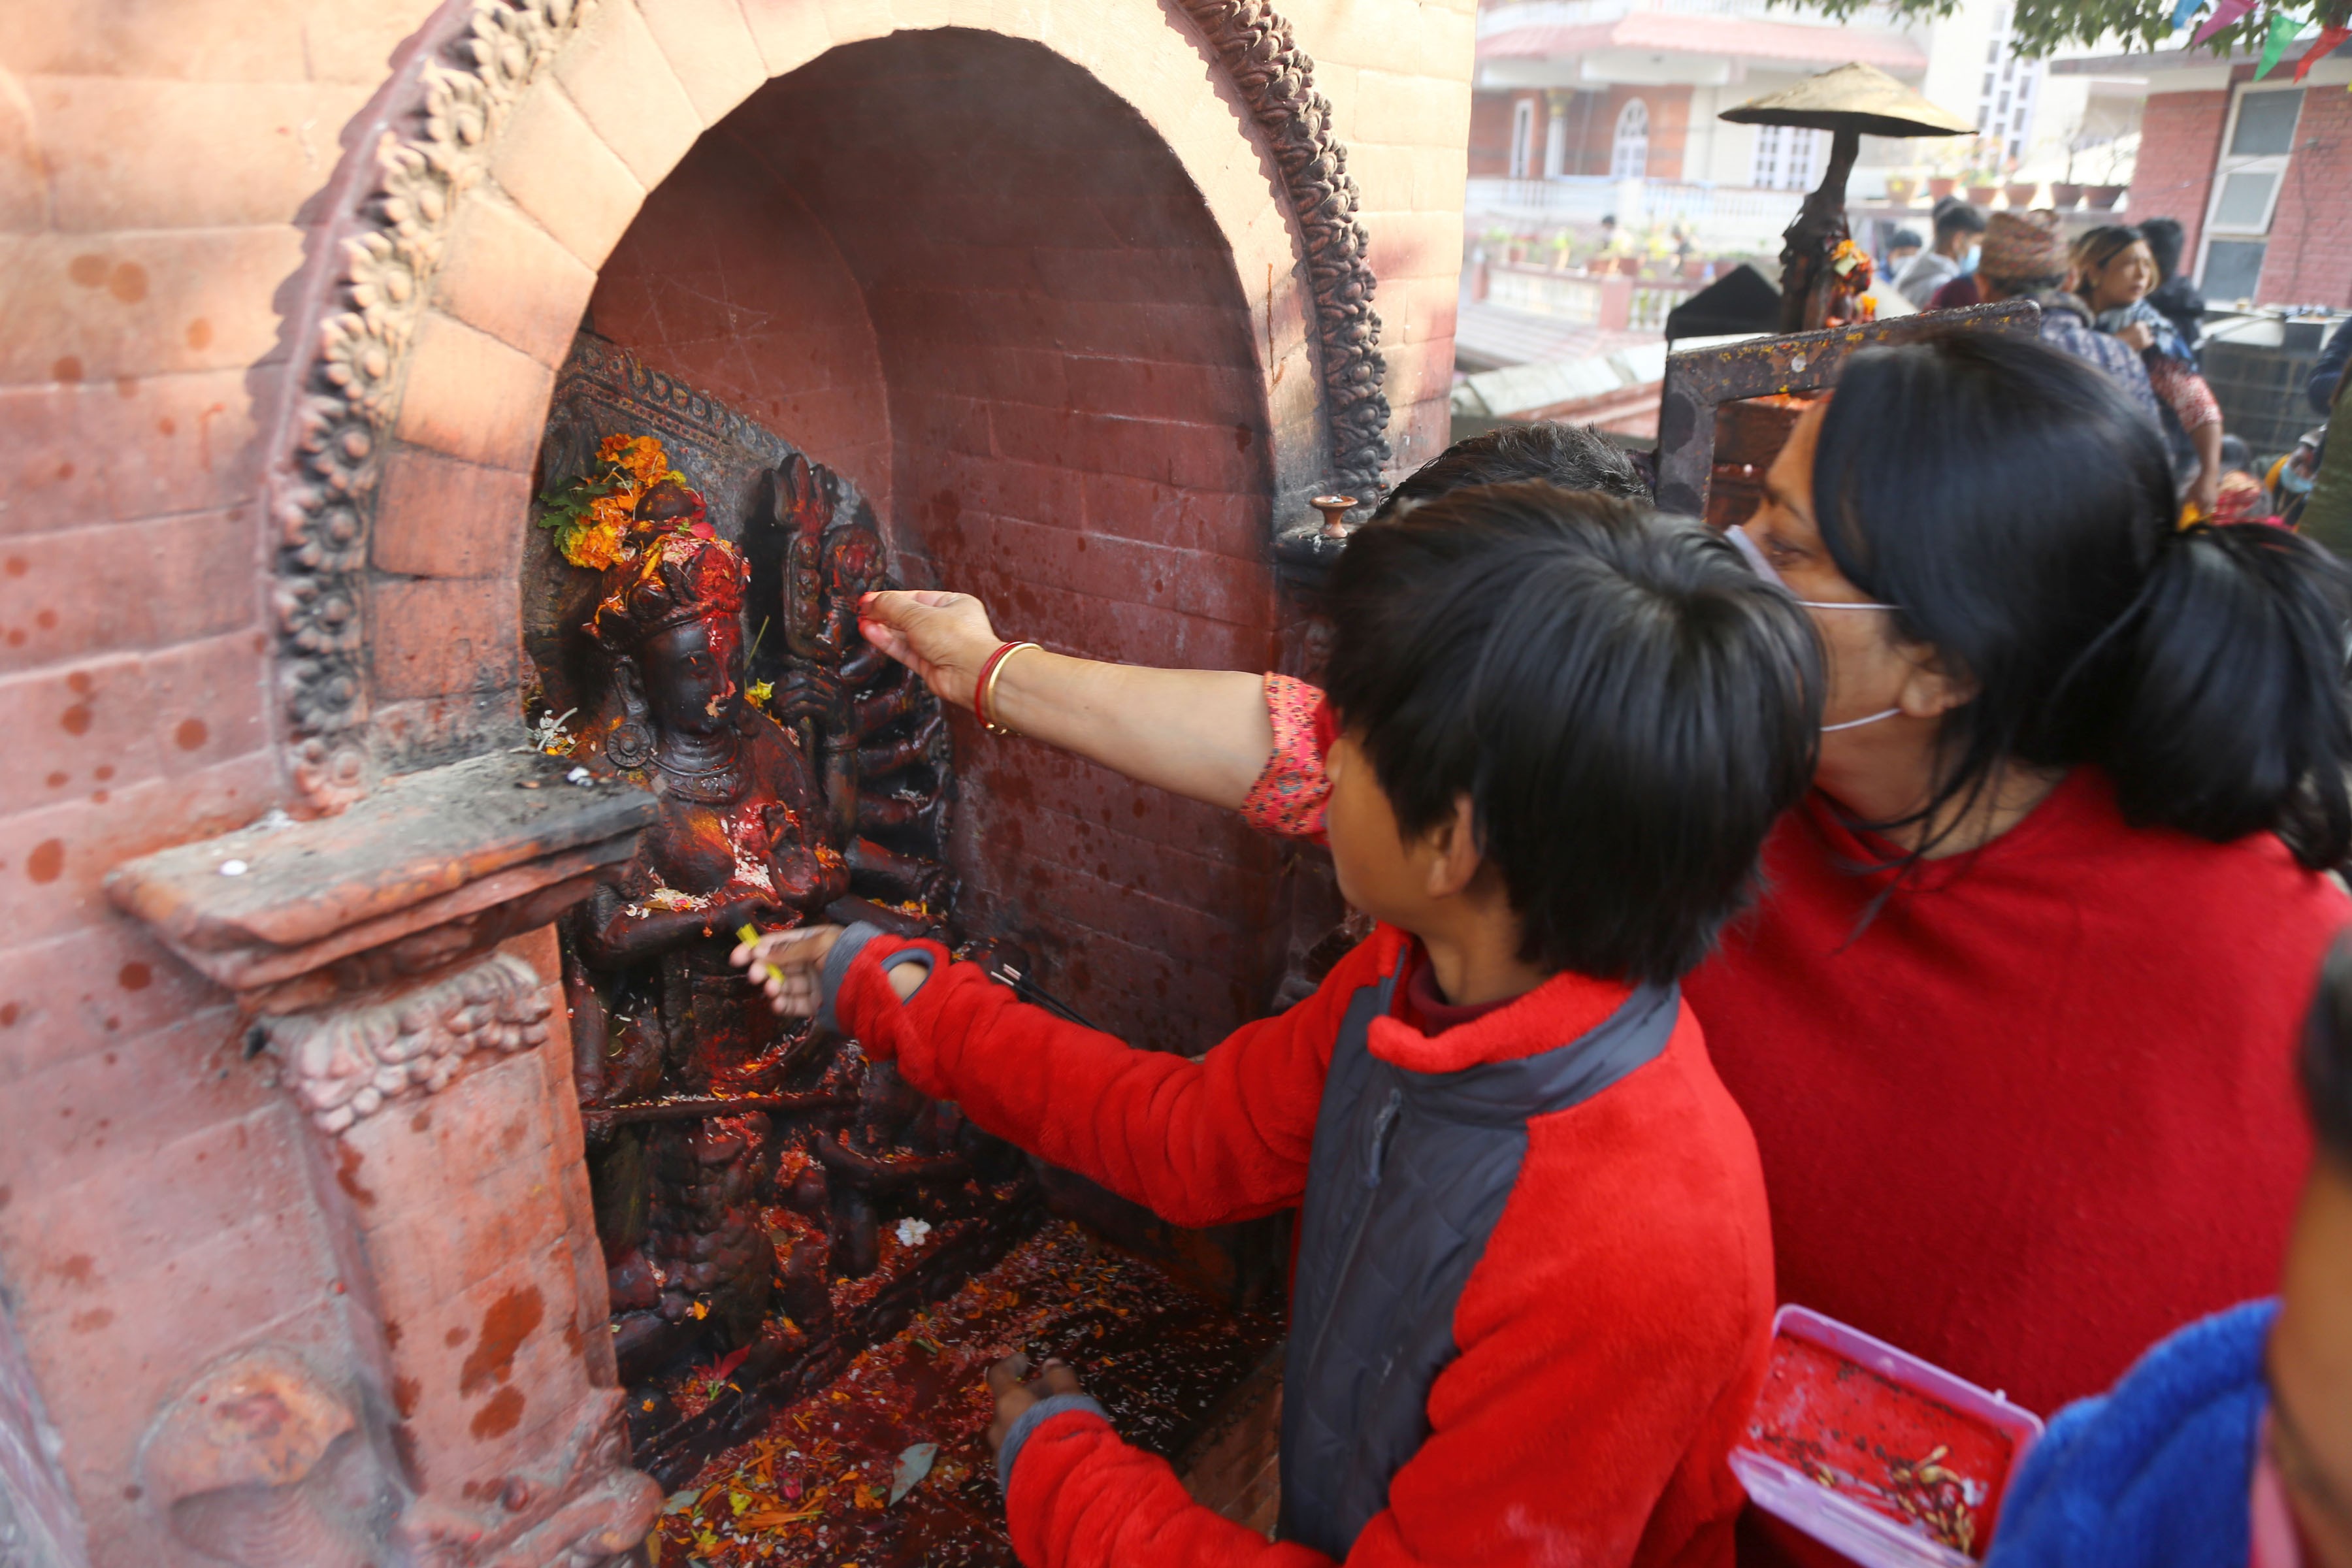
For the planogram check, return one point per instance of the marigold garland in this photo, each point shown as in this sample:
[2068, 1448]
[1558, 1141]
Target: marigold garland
[594, 514]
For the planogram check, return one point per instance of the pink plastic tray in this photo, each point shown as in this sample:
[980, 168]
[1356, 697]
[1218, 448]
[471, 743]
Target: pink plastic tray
[1891, 1461]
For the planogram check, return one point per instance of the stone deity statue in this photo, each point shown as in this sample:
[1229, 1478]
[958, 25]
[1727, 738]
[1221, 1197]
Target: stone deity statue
[744, 836]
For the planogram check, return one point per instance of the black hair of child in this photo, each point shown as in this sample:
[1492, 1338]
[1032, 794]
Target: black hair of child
[1573, 456]
[1626, 705]
[1953, 216]
[2328, 1055]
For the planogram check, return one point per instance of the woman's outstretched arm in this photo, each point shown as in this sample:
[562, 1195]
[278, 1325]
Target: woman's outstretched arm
[1202, 733]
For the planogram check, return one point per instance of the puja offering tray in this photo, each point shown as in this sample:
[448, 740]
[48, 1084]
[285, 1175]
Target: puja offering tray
[887, 1465]
[1894, 1462]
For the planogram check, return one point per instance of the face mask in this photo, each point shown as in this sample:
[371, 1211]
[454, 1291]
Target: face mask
[1968, 262]
[1754, 556]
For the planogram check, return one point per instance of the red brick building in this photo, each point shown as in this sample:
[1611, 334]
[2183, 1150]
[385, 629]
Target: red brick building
[2259, 173]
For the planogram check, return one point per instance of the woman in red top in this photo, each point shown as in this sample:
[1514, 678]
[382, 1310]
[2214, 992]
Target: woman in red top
[2012, 1023]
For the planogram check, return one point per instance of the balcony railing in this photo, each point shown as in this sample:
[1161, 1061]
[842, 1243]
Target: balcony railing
[1720, 218]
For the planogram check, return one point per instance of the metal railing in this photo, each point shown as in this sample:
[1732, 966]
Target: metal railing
[1720, 217]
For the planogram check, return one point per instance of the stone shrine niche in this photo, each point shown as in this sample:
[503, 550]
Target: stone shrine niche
[767, 1202]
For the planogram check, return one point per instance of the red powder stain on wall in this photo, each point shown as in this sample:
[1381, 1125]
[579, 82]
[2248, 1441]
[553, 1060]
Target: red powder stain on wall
[501, 1416]
[190, 734]
[48, 860]
[505, 1326]
[134, 977]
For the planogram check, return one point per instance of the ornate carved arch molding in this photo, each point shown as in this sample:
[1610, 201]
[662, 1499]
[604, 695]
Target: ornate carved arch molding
[383, 248]
[1277, 79]
[385, 241]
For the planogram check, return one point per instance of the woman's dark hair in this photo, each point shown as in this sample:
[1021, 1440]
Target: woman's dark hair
[2020, 509]
[1627, 706]
[1573, 456]
[2166, 240]
[2327, 1053]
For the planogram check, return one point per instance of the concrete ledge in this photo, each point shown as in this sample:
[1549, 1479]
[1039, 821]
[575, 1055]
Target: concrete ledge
[485, 846]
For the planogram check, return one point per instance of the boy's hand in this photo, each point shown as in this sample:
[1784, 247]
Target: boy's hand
[786, 964]
[1014, 1396]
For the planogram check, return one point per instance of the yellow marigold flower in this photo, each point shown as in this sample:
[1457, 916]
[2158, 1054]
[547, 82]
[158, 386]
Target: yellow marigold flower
[596, 547]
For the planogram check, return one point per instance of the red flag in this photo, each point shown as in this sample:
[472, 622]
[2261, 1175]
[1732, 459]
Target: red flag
[2328, 39]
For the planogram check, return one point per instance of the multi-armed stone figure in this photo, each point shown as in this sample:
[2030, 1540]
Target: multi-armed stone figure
[878, 729]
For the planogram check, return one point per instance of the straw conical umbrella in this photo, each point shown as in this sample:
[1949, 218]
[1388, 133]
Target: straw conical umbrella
[1847, 102]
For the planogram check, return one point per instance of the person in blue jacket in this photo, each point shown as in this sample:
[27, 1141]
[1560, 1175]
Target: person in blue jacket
[2231, 1442]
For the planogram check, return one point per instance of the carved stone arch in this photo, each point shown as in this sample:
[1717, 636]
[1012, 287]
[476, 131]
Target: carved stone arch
[516, 144]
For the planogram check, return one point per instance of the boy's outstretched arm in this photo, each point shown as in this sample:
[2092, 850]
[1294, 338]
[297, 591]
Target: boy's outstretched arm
[1201, 1141]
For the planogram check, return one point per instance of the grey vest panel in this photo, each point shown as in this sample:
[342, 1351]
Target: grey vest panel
[1409, 1174]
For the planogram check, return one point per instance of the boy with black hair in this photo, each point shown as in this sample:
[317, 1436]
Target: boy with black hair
[1957, 227]
[1533, 1284]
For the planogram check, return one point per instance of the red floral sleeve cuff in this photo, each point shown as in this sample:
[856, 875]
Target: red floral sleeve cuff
[1288, 799]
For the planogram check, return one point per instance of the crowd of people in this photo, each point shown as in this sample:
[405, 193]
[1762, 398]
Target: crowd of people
[1908, 905]
[2116, 296]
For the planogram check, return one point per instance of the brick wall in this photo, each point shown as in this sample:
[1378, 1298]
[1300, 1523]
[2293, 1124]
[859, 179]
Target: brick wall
[1490, 133]
[2179, 136]
[155, 186]
[727, 281]
[2309, 261]
[1075, 434]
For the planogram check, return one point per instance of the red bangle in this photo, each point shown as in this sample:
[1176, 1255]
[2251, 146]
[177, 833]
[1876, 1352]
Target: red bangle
[988, 679]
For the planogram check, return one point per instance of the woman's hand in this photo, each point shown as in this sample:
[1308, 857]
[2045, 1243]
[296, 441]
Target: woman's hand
[944, 637]
[2137, 337]
[787, 964]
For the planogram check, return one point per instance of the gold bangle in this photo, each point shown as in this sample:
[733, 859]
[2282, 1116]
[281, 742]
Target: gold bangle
[986, 698]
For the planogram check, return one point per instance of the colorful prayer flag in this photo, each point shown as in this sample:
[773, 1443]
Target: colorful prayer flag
[2224, 13]
[2283, 28]
[2328, 39]
[2182, 12]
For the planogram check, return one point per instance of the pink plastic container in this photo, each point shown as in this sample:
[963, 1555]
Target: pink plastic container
[1877, 1454]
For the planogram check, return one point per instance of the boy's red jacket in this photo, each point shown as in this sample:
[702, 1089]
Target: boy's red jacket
[1609, 1339]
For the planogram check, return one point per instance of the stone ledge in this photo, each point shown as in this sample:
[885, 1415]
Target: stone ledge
[451, 847]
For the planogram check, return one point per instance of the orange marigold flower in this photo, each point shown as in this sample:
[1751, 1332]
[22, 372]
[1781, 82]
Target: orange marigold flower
[611, 448]
[613, 511]
[645, 459]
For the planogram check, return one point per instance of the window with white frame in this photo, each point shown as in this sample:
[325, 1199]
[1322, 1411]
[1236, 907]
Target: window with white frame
[2255, 150]
[1629, 150]
[2005, 102]
[1787, 159]
[1523, 137]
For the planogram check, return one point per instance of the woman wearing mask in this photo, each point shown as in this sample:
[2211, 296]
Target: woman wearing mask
[2115, 273]
[2008, 1021]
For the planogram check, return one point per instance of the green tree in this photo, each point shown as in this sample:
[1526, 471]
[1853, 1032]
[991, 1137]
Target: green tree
[2040, 26]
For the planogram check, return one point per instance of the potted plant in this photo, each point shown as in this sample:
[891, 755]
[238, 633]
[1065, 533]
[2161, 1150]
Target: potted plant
[2103, 197]
[1941, 185]
[2065, 197]
[2020, 193]
[1898, 190]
